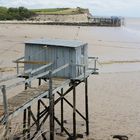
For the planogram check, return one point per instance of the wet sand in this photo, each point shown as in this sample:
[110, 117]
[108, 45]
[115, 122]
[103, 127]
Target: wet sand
[114, 100]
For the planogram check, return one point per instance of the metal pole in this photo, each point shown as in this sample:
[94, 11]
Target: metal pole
[86, 106]
[62, 111]
[51, 103]
[74, 111]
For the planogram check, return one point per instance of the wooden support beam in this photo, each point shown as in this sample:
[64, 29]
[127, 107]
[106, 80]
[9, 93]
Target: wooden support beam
[64, 94]
[6, 113]
[38, 115]
[24, 123]
[62, 111]
[51, 105]
[72, 106]
[39, 81]
[26, 84]
[44, 119]
[32, 62]
[65, 130]
[74, 111]
[29, 122]
[86, 106]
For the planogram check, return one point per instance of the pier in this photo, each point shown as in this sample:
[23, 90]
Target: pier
[62, 66]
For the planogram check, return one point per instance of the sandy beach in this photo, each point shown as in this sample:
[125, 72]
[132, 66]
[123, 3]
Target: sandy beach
[114, 100]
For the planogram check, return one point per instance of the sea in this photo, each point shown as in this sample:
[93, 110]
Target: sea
[121, 47]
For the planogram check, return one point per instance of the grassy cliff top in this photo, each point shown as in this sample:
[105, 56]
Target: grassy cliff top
[63, 11]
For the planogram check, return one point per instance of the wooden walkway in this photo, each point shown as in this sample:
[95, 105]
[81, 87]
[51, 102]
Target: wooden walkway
[25, 98]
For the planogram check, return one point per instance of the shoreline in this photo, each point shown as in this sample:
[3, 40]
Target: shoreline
[60, 23]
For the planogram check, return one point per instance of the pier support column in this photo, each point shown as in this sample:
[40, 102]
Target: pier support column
[26, 84]
[38, 115]
[51, 109]
[86, 106]
[29, 122]
[39, 81]
[62, 111]
[74, 111]
[24, 124]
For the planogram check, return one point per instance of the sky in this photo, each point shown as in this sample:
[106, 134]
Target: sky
[126, 8]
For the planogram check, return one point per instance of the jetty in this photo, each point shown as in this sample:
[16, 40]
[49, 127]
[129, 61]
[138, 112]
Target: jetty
[59, 66]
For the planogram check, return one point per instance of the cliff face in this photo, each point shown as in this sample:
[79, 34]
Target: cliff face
[62, 18]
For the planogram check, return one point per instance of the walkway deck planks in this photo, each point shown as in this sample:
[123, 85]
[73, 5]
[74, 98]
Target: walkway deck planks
[23, 98]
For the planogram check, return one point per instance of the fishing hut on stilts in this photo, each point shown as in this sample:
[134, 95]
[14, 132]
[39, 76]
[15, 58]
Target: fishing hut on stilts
[62, 65]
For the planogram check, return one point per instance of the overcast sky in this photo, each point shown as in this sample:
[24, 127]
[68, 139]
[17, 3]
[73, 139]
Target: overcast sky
[129, 8]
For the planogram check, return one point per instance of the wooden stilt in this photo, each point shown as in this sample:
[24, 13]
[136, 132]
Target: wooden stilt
[6, 113]
[24, 124]
[74, 112]
[51, 111]
[39, 82]
[29, 122]
[26, 84]
[38, 114]
[62, 111]
[86, 106]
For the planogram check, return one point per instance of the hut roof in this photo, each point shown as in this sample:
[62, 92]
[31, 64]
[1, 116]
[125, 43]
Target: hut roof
[57, 42]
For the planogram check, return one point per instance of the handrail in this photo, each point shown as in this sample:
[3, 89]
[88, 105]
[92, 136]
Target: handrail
[19, 59]
[16, 61]
[90, 57]
[13, 76]
[95, 59]
[41, 68]
[60, 68]
[37, 76]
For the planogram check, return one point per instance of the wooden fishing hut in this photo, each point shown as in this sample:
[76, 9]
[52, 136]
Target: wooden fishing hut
[58, 52]
[62, 65]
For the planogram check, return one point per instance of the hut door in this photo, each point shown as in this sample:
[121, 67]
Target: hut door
[62, 59]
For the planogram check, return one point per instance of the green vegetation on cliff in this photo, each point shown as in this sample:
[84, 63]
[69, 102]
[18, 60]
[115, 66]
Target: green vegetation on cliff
[20, 13]
[63, 11]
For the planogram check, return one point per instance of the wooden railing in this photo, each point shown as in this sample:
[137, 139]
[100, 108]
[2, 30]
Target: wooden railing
[32, 77]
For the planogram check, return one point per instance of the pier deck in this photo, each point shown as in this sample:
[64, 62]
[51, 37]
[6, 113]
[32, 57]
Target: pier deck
[25, 98]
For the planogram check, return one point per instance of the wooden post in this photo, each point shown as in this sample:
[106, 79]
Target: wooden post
[74, 111]
[62, 111]
[17, 68]
[39, 82]
[26, 84]
[86, 106]
[95, 61]
[24, 124]
[29, 122]
[38, 115]
[5, 110]
[51, 103]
